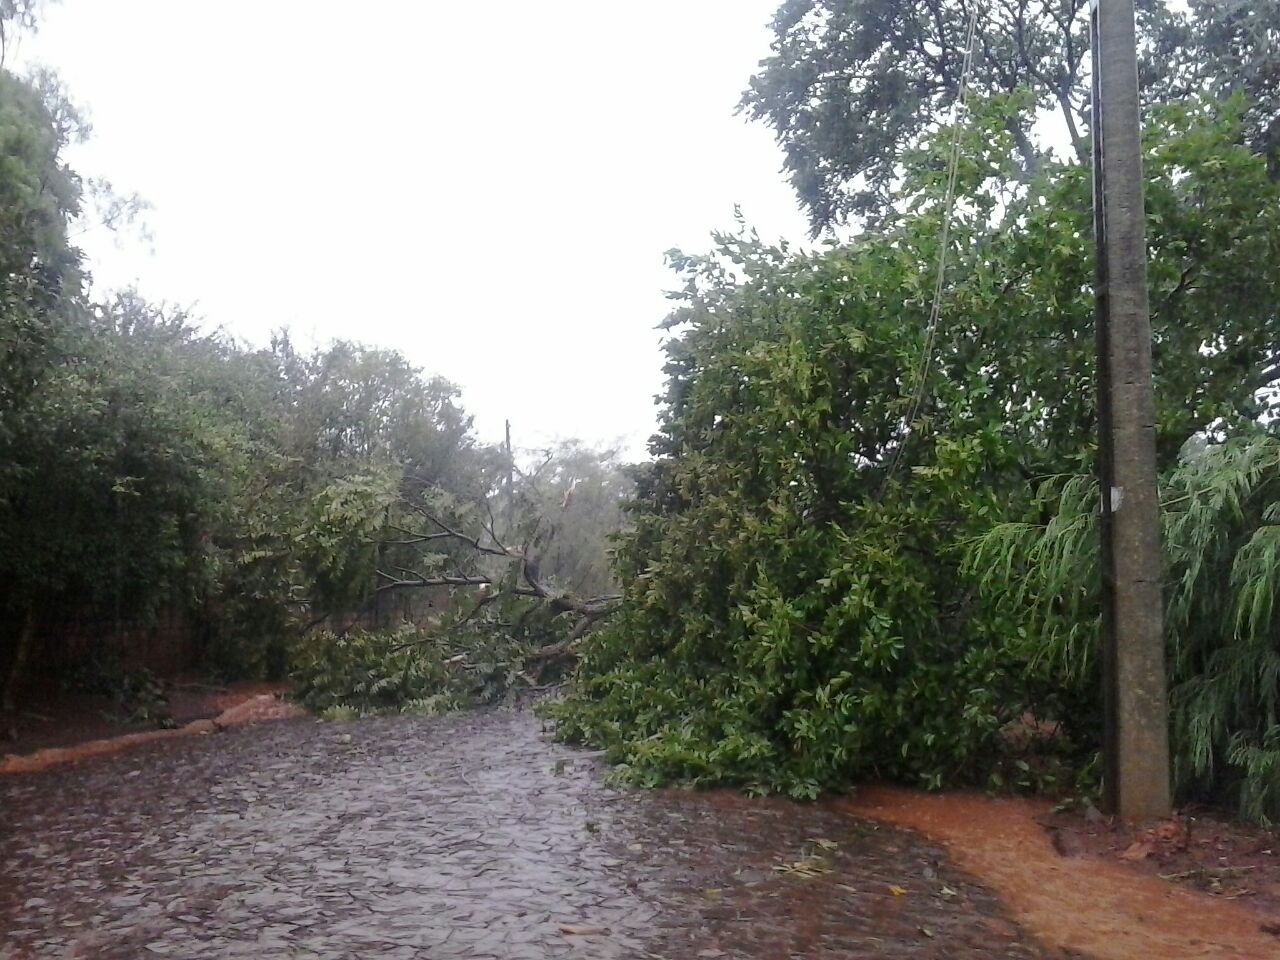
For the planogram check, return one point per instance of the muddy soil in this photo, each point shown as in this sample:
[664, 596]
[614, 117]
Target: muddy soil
[1199, 847]
[1085, 905]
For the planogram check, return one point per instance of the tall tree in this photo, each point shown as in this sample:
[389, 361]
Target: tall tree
[796, 612]
[40, 308]
[852, 85]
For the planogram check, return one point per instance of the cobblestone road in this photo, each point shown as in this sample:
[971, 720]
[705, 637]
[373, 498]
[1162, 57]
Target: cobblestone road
[469, 836]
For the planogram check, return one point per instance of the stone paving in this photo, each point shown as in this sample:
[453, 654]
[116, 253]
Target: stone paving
[470, 836]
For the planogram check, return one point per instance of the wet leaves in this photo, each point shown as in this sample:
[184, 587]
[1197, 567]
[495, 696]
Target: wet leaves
[1138, 850]
[804, 868]
[814, 862]
[582, 930]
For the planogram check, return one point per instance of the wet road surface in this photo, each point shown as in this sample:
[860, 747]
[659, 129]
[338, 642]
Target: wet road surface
[468, 836]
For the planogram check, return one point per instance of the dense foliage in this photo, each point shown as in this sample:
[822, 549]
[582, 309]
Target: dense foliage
[1222, 552]
[149, 469]
[799, 607]
[852, 86]
[363, 672]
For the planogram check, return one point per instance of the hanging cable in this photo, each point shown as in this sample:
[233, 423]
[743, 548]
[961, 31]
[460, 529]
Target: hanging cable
[948, 209]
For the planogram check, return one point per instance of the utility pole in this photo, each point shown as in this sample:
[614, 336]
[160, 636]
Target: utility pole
[1136, 734]
[510, 507]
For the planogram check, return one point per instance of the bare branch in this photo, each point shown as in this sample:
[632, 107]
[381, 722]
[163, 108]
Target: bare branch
[565, 647]
[397, 583]
[492, 528]
[413, 537]
[449, 532]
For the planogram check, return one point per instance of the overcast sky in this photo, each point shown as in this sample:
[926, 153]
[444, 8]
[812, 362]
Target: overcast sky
[488, 188]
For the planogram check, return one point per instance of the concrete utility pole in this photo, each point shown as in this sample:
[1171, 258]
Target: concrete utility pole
[510, 506]
[1136, 738]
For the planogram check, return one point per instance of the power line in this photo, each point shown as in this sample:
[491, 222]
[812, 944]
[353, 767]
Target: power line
[948, 211]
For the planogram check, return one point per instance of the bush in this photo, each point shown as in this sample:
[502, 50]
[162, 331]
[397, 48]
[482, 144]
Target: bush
[138, 695]
[825, 659]
[793, 621]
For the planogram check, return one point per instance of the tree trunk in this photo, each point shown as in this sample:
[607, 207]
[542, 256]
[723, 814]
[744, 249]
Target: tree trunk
[9, 699]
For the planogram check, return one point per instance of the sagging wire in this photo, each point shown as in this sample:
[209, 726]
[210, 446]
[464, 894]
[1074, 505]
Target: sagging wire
[948, 210]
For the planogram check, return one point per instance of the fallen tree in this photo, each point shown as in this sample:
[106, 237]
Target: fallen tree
[511, 605]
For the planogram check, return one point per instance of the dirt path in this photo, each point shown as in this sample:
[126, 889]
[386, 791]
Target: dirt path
[1087, 906]
[469, 836]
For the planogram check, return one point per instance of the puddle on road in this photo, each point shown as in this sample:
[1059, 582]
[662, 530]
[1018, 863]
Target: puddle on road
[767, 878]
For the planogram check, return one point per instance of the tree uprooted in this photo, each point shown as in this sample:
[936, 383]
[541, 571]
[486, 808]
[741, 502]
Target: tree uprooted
[512, 562]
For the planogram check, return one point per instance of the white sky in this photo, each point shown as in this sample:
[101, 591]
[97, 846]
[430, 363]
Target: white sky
[488, 188]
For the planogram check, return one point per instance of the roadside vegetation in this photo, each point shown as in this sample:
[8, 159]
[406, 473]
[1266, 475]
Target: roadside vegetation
[275, 508]
[863, 546]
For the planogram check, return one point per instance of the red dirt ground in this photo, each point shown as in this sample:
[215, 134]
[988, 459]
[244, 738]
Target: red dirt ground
[1083, 902]
[1196, 848]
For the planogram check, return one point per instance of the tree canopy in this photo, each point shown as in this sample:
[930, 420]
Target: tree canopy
[852, 85]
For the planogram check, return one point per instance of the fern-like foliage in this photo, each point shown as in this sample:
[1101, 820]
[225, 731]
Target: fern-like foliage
[1221, 518]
